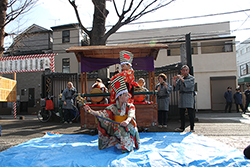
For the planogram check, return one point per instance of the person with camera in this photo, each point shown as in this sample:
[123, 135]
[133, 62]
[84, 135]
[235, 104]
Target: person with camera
[164, 89]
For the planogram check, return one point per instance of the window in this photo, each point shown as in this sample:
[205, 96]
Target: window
[243, 70]
[65, 65]
[242, 51]
[228, 48]
[169, 52]
[248, 49]
[248, 67]
[65, 36]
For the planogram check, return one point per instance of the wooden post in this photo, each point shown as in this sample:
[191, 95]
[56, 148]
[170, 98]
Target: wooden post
[14, 104]
[85, 90]
[153, 75]
[150, 84]
[82, 83]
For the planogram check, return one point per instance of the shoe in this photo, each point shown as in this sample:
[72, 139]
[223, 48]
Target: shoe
[179, 130]
[70, 122]
[191, 131]
[65, 122]
[165, 126]
[160, 126]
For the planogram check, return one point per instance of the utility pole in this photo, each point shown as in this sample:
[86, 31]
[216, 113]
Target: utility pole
[189, 53]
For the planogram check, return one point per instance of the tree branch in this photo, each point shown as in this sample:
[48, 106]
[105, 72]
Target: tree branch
[135, 8]
[131, 18]
[78, 17]
[143, 12]
[116, 8]
[17, 11]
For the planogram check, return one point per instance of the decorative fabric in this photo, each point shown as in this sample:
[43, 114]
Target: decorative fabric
[128, 78]
[119, 85]
[126, 57]
[93, 64]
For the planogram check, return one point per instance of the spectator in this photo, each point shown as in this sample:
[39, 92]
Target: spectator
[238, 100]
[164, 89]
[229, 99]
[185, 84]
[141, 83]
[247, 94]
[68, 102]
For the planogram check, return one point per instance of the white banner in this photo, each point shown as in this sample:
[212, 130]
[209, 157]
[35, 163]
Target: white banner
[28, 63]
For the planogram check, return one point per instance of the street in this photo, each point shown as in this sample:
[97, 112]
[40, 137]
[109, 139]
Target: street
[232, 129]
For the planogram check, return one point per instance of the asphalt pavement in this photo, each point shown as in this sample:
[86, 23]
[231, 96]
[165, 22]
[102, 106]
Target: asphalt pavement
[232, 129]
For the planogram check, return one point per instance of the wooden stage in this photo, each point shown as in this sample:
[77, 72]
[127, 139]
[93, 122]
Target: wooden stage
[146, 115]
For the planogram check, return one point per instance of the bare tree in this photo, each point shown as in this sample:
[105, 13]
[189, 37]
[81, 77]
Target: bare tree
[128, 11]
[9, 11]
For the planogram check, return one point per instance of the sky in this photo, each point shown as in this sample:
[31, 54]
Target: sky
[49, 13]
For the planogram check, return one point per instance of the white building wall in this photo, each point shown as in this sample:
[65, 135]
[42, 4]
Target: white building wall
[205, 65]
[243, 56]
[59, 47]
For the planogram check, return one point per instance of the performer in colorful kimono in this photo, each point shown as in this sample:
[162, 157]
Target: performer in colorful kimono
[125, 134]
[126, 59]
[185, 84]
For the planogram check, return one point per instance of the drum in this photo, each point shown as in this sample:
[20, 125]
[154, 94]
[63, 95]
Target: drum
[97, 88]
[139, 98]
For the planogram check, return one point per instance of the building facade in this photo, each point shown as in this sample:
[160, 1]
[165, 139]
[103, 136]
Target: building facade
[213, 57]
[34, 40]
[64, 37]
[243, 63]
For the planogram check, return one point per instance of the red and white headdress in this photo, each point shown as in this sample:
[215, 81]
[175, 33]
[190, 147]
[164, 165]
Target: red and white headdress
[126, 57]
[119, 85]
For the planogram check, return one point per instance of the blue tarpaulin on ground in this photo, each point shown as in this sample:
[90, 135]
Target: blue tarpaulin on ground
[157, 149]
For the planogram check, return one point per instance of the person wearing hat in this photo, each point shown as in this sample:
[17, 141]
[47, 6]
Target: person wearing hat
[126, 59]
[229, 99]
[238, 100]
[247, 94]
[164, 89]
[124, 135]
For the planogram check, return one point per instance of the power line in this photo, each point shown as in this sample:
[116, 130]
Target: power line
[184, 18]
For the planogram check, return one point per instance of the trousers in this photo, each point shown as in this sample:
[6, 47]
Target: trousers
[229, 106]
[190, 115]
[162, 117]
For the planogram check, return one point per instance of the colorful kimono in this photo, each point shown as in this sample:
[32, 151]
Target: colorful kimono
[130, 80]
[110, 134]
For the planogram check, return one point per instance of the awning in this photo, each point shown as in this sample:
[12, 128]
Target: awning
[243, 80]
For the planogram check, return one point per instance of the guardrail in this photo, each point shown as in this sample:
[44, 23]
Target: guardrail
[108, 94]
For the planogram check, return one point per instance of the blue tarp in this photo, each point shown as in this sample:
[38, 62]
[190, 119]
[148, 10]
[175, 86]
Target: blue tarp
[157, 149]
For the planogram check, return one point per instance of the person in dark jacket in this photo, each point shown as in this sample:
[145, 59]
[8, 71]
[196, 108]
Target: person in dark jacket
[247, 152]
[238, 100]
[247, 94]
[229, 99]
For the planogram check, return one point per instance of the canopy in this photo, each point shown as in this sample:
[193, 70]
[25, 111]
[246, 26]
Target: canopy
[96, 57]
